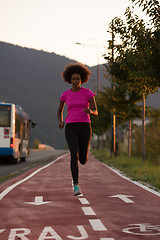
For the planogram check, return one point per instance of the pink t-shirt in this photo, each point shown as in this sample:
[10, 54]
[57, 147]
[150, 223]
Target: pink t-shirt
[76, 102]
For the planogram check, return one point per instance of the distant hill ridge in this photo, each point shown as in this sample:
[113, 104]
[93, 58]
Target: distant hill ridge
[32, 79]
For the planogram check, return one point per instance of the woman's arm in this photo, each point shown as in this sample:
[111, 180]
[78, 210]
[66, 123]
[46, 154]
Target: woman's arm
[60, 114]
[93, 107]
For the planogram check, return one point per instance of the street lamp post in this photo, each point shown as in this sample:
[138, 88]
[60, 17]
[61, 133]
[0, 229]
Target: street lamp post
[98, 67]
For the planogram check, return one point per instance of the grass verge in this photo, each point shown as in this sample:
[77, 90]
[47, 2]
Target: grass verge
[7, 177]
[147, 173]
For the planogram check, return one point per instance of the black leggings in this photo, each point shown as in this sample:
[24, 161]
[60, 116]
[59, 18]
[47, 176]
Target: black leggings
[78, 136]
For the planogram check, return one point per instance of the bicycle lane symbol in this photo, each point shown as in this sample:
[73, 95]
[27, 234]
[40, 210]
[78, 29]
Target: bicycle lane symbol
[143, 229]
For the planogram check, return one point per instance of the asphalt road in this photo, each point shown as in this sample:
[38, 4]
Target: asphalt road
[39, 205]
[35, 158]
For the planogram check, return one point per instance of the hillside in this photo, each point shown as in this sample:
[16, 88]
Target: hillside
[32, 79]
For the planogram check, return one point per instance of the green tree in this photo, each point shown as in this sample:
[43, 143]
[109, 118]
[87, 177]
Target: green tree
[101, 123]
[123, 104]
[152, 137]
[134, 57]
[152, 9]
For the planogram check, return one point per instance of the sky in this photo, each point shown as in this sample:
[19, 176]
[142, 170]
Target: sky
[57, 25]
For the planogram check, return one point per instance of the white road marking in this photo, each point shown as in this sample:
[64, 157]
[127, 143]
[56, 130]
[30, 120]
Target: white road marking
[97, 225]
[7, 190]
[88, 211]
[51, 231]
[2, 230]
[83, 233]
[124, 198]
[19, 232]
[83, 201]
[143, 229]
[107, 239]
[38, 201]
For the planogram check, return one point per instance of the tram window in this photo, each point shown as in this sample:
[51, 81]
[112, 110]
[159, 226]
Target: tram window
[25, 130]
[18, 126]
[5, 116]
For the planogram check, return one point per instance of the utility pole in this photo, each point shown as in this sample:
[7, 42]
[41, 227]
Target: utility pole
[143, 130]
[113, 117]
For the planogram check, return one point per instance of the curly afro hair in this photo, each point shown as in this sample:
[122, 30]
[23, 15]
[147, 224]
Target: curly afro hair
[78, 68]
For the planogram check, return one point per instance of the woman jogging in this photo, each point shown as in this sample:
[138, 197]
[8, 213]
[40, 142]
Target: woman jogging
[80, 103]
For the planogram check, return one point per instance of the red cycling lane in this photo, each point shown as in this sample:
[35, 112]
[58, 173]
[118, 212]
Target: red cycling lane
[40, 205]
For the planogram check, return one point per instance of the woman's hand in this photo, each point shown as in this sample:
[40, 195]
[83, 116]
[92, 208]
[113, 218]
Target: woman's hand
[93, 106]
[61, 125]
[60, 114]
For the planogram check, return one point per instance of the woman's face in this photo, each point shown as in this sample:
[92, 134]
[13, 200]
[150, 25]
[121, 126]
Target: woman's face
[76, 80]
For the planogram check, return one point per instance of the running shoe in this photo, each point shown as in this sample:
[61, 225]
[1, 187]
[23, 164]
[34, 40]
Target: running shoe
[76, 190]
